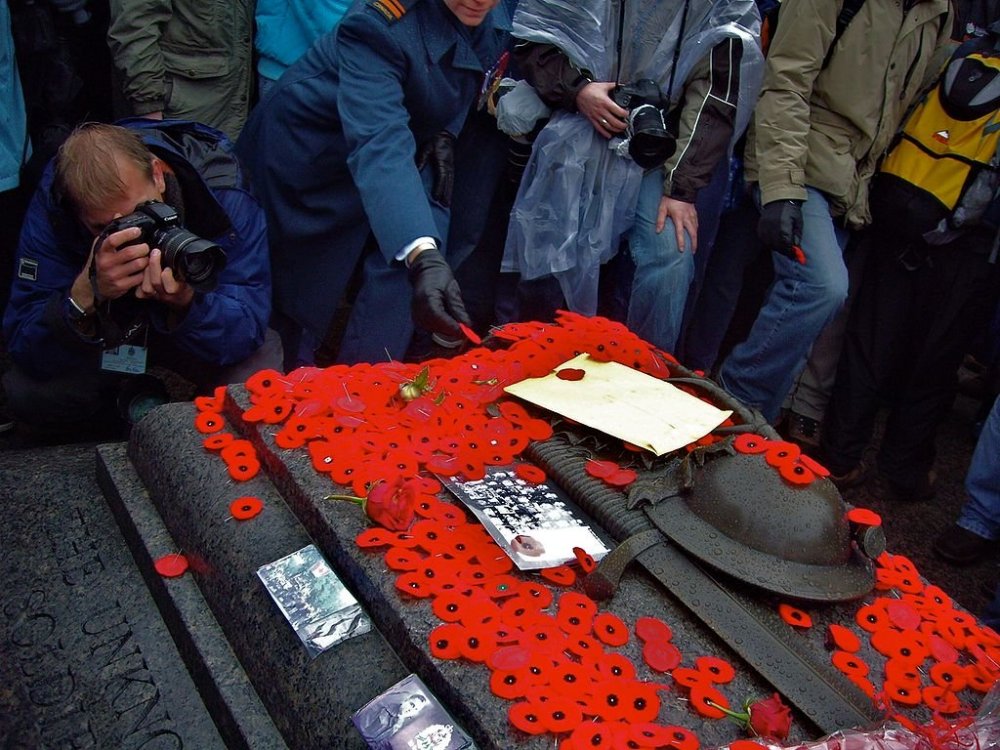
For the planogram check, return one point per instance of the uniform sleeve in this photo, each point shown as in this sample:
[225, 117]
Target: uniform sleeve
[134, 38]
[381, 146]
[228, 324]
[708, 116]
[806, 29]
[550, 72]
[39, 338]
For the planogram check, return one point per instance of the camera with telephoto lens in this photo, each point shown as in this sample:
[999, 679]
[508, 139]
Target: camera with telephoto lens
[193, 260]
[650, 140]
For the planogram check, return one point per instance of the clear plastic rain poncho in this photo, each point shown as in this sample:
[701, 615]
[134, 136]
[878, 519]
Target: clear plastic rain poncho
[578, 195]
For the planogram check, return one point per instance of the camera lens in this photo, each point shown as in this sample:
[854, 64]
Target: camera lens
[194, 260]
[650, 143]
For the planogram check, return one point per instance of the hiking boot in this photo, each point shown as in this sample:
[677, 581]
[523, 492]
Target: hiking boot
[924, 489]
[802, 430]
[961, 547]
[852, 478]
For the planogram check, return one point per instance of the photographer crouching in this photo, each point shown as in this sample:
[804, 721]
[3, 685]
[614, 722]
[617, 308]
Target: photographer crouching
[142, 247]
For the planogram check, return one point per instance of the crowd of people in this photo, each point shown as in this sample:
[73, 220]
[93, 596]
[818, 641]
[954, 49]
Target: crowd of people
[301, 182]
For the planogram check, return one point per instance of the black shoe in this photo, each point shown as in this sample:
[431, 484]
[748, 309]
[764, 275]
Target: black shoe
[924, 489]
[802, 430]
[852, 478]
[961, 547]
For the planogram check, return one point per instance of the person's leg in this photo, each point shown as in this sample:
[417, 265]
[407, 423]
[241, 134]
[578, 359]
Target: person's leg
[800, 302]
[80, 399]
[380, 325]
[952, 298]
[981, 512]
[736, 247]
[663, 272]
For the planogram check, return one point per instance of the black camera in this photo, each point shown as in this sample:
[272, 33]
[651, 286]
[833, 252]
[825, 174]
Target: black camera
[651, 141]
[194, 260]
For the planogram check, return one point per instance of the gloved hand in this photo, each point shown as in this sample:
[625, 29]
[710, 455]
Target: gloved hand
[437, 300]
[780, 228]
[439, 152]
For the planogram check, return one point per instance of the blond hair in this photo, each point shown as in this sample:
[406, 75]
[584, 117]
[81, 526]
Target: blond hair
[87, 165]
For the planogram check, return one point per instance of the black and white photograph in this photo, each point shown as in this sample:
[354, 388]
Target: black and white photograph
[407, 716]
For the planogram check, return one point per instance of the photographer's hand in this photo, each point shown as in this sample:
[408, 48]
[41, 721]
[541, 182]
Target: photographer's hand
[118, 266]
[594, 102]
[684, 216]
[780, 228]
[160, 284]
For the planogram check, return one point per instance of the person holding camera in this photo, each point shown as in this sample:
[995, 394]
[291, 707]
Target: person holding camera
[141, 247]
[835, 89]
[353, 155]
[648, 98]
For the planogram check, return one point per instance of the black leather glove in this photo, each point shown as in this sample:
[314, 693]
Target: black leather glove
[439, 152]
[780, 228]
[437, 300]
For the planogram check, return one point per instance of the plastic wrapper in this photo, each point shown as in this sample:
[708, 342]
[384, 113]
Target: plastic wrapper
[578, 194]
[520, 109]
[979, 732]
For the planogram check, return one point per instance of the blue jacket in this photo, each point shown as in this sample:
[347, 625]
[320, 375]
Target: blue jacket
[222, 327]
[287, 28]
[332, 150]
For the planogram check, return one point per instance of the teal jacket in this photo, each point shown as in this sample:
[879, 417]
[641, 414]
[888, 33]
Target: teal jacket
[287, 28]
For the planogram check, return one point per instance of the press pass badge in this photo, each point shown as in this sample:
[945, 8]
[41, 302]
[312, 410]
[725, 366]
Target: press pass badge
[127, 358]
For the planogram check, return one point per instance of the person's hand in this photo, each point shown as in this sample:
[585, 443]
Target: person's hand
[439, 152]
[437, 300]
[160, 284]
[118, 266]
[595, 103]
[684, 215]
[780, 228]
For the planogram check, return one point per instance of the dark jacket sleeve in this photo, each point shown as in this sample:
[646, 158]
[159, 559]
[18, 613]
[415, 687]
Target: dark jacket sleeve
[39, 338]
[550, 72]
[707, 120]
[228, 324]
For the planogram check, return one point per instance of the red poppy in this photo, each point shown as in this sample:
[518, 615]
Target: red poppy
[907, 696]
[371, 538]
[593, 736]
[690, 677]
[906, 646]
[529, 473]
[750, 442]
[902, 614]
[509, 683]
[661, 656]
[600, 469]
[561, 575]
[218, 441]
[527, 716]
[948, 676]
[864, 517]
[849, 664]
[871, 617]
[610, 629]
[901, 673]
[707, 701]
[621, 478]
[173, 565]
[780, 452]
[794, 616]
[585, 561]
[208, 422]
[671, 736]
[839, 637]
[242, 470]
[245, 508]
[718, 670]
[652, 628]
[561, 715]
[941, 700]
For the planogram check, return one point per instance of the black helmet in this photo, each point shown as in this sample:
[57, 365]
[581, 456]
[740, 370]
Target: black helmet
[742, 518]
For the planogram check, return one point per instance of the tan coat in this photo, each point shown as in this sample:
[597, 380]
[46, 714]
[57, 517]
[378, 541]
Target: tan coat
[827, 127]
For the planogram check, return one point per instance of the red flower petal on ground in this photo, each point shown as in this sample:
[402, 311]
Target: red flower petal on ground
[173, 565]
[561, 575]
[839, 637]
[527, 717]
[530, 473]
[242, 470]
[652, 628]
[849, 664]
[864, 517]
[706, 700]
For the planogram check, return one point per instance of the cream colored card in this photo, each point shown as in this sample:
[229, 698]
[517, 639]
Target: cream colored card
[625, 403]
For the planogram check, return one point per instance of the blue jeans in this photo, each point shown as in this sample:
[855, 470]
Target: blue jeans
[802, 299]
[663, 272]
[981, 512]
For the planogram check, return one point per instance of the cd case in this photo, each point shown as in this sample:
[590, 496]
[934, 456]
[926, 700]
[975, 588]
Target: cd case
[315, 602]
[536, 524]
[407, 716]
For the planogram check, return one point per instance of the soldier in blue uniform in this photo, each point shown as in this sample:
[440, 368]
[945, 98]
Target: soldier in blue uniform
[334, 153]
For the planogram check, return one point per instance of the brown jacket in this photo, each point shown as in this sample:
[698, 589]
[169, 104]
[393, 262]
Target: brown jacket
[828, 126]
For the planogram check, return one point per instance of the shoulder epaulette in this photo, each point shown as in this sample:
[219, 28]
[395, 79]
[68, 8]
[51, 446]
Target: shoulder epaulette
[391, 10]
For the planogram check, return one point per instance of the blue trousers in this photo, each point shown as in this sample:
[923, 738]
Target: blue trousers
[663, 272]
[802, 299]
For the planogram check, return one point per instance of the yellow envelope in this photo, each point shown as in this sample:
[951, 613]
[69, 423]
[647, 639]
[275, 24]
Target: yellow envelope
[625, 403]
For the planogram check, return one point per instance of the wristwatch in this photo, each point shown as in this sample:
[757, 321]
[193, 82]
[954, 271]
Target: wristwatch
[74, 312]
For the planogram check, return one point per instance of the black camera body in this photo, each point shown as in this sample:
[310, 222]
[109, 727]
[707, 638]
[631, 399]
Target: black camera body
[651, 139]
[193, 260]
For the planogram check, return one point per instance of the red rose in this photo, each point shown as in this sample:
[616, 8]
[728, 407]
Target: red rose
[392, 504]
[770, 717]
